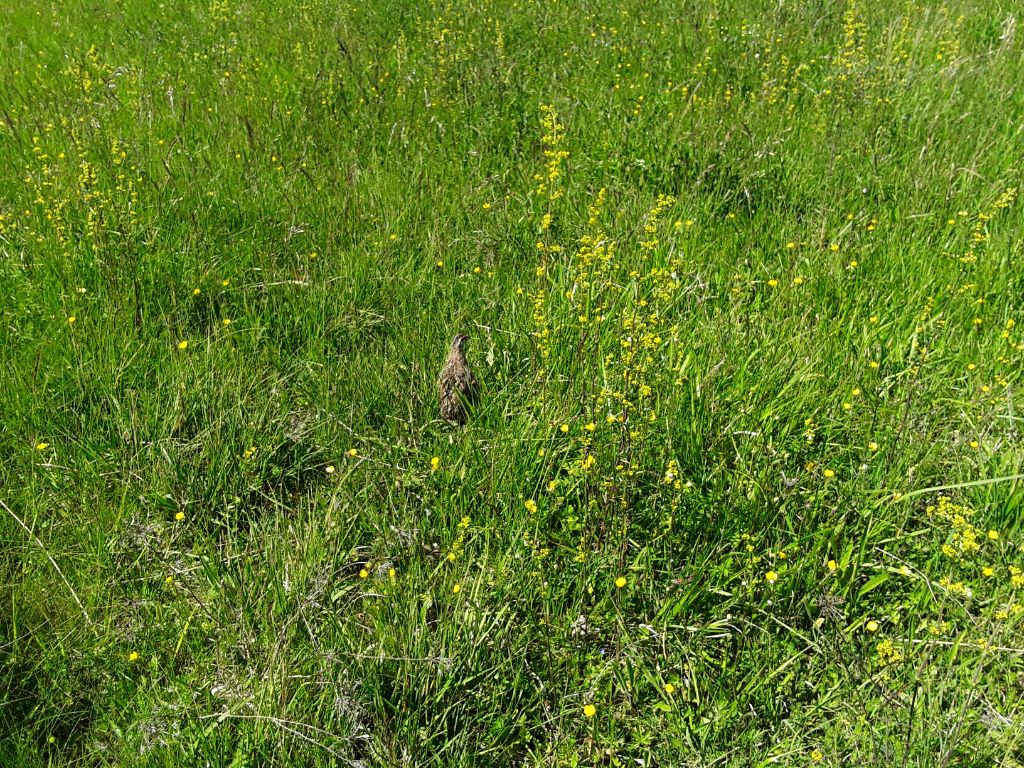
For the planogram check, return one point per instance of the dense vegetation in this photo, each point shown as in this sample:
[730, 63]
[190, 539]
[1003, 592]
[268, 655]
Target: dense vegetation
[744, 284]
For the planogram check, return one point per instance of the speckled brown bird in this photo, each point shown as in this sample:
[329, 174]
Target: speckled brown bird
[456, 386]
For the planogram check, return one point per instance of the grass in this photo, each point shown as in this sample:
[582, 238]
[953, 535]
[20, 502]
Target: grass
[743, 284]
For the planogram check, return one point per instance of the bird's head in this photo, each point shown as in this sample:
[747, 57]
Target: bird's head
[459, 342]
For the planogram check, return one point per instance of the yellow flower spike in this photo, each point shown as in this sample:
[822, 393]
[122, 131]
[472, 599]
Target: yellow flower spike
[620, 582]
[589, 710]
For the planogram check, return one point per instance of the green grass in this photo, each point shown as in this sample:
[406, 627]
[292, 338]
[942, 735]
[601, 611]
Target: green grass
[767, 380]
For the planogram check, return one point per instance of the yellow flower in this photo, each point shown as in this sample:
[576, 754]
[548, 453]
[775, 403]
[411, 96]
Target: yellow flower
[196, 291]
[590, 710]
[988, 570]
[834, 247]
[486, 206]
[873, 364]
[531, 506]
[832, 565]
[790, 245]
[872, 446]
[363, 573]
[435, 463]
[798, 280]
[564, 428]
[590, 427]
[771, 577]
[992, 534]
[169, 580]
[179, 516]
[829, 473]
[974, 443]
[42, 446]
[873, 319]
[352, 452]
[225, 282]
[772, 283]
[620, 582]
[871, 626]
[329, 470]
[133, 657]
[669, 688]
[456, 589]
[183, 344]
[226, 321]
[71, 320]
[817, 756]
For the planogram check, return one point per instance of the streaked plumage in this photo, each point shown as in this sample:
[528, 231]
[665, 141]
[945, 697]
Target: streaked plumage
[456, 386]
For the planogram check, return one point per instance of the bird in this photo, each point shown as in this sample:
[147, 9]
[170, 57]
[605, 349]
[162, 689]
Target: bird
[456, 385]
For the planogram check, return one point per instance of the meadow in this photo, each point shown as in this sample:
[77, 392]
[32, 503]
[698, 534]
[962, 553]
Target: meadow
[744, 287]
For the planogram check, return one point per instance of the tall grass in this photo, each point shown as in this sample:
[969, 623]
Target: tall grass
[743, 283]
